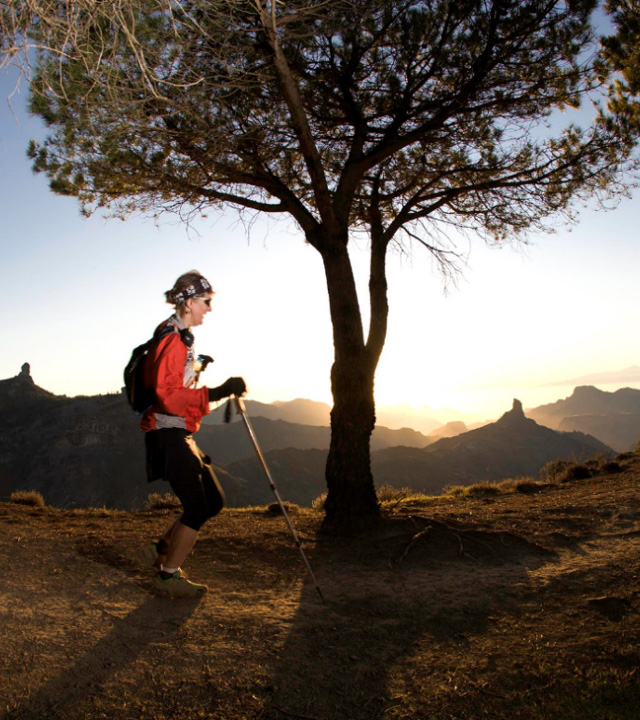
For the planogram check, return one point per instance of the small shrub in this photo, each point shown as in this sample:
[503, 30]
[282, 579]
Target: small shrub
[530, 487]
[553, 471]
[102, 511]
[453, 490]
[561, 471]
[27, 497]
[598, 459]
[610, 467]
[625, 456]
[576, 471]
[161, 501]
[388, 493]
[385, 494]
[289, 508]
[478, 490]
[506, 486]
[483, 489]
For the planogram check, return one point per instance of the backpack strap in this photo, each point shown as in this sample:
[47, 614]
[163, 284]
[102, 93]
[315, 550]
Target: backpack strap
[167, 327]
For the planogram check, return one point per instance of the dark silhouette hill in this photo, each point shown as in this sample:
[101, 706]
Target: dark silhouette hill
[513, 446]
[310, 412]
[228, 443]
[88, 451]
[612, 417]
[300, 411]
[79, 451]
[20, 397]
[298, 474]
[621, 431]
[450, 429]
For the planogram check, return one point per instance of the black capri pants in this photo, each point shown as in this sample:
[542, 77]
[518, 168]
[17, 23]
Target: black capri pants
[173, 455]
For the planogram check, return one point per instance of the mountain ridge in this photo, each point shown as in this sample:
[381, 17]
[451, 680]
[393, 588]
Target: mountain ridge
[88, 450]
[613, 417]
[513, 446]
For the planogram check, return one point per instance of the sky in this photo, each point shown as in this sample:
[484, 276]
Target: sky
[528, 323]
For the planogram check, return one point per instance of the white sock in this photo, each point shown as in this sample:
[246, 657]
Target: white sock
[168, 569]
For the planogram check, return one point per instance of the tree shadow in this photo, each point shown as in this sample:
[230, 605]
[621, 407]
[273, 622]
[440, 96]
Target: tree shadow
[408, 587]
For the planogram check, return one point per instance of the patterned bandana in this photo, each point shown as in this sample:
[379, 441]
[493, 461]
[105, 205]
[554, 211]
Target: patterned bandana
[200, 287]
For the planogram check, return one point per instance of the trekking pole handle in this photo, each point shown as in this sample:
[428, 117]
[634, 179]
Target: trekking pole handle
[240, 408]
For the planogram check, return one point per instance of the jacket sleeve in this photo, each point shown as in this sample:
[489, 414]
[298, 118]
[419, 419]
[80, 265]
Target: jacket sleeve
[166, 375]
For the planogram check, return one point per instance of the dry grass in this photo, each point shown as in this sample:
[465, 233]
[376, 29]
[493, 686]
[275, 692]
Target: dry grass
[161, 501]
[27, 497]
[477, 490]
[487, 489]
[318, 504]
[559, 471]
[389, 498]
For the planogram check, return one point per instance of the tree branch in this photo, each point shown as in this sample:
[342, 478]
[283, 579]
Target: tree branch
[300, 123]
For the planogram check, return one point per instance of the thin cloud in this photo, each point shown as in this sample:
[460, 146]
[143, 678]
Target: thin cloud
[616, 377]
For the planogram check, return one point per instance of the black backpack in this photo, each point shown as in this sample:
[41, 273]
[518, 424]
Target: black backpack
[139, 396]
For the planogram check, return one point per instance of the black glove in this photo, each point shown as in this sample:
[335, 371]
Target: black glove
[232, 386]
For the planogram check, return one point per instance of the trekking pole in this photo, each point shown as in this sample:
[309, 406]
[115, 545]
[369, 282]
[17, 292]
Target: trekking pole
[243, 413]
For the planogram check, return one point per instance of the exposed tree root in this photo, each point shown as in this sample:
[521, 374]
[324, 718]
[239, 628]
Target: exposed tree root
[489, 546]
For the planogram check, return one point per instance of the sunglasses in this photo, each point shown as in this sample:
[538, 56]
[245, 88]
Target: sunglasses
[206, 301]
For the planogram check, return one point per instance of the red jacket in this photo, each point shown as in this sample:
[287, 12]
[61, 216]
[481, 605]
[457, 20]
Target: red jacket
[169, 369]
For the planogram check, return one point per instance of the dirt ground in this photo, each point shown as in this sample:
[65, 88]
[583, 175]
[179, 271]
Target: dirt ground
[514, 606]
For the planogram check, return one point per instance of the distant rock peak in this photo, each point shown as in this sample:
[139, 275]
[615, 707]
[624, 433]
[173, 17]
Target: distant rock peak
[25, 373]
[516, 414]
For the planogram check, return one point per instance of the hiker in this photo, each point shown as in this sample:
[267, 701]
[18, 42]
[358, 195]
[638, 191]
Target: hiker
[172, 369]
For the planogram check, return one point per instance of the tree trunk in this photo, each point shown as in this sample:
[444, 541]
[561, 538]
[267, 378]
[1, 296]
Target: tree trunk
[351, 498]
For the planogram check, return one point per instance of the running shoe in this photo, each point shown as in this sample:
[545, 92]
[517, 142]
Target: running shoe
[177, 585]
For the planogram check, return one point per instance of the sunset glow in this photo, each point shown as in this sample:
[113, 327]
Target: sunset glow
[518, 324]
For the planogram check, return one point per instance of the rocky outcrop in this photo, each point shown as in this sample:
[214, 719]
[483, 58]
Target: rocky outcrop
[513, 446]
[25, 373]
[612, 417]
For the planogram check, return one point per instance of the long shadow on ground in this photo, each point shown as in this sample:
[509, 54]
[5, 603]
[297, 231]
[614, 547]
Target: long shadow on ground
[69, 689]
[74, 686]
[392, 598]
